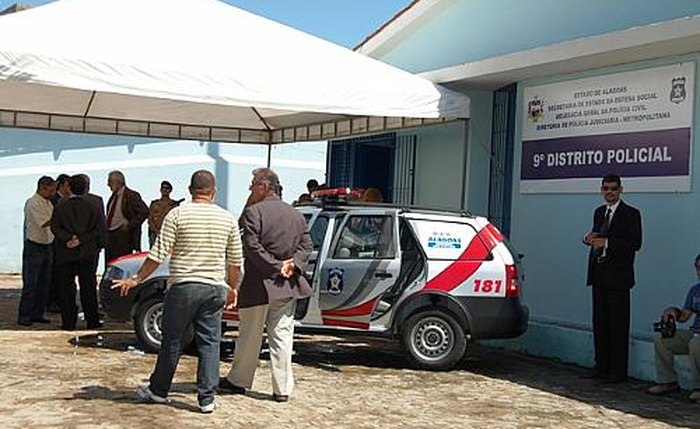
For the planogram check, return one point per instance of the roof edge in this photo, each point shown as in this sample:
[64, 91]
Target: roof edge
[409, 15]
[634, 44]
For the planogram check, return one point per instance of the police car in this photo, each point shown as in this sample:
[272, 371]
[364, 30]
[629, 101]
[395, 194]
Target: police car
[435, 280]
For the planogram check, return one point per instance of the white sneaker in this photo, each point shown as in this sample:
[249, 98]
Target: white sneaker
[209, 408]
[695, 395]
[144, 392]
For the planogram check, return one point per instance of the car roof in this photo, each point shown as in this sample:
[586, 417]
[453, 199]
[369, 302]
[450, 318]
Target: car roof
[412, 212]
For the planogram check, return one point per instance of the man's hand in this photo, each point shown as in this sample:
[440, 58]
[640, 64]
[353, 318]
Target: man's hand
[124, 285]
[588, 238]
[231, 299]
[288, 267]
[598, 242]
[670, 311]
[73, 242]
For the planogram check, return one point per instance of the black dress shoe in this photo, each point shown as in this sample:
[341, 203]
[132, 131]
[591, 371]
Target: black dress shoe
[41, 320]
[614, 380]
[95, 325]
[24, 322]
[226, 387]
[280, 398]
[594, 374]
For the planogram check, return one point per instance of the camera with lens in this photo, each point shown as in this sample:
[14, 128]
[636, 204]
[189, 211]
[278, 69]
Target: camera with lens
[666, 327]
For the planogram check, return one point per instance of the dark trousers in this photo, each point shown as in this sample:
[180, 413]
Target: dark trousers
[118, 244]
[54, 297]
[37, 260]
[611, 326]
[201, 306]
[85, 270]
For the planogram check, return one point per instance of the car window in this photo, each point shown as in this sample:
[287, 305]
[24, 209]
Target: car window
[318, 231]
[307, 217]
[366, 237]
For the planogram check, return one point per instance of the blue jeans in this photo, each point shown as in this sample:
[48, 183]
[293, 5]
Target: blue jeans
[200, 305]
[37, 260]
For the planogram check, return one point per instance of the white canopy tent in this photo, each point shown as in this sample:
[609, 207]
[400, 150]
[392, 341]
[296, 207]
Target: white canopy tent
[198, 69]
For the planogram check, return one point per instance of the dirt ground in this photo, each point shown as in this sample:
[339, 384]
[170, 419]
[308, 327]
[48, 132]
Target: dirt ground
[84, 379]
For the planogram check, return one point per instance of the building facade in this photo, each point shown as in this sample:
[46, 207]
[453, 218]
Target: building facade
[562, 92]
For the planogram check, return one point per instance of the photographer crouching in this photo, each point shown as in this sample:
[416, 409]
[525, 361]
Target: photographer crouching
[671, 341]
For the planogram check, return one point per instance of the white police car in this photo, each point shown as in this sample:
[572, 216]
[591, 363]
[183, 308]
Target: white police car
[433, 279]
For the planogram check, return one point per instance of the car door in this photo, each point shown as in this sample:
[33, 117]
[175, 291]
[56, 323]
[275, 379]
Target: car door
[363, 261]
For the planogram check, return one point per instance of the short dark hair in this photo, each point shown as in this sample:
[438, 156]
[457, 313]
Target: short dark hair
[612, 178]
[268, 177]
[78, 184]
[62, 178]
[202, 182]
[166, 184]
[43, 182]
[312, 184]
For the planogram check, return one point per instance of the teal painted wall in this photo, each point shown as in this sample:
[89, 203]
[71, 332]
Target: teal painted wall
[548, 228]
[463, 31]
[26, 155]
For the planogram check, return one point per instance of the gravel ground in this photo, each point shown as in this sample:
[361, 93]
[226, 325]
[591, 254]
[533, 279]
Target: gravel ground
[85, 379]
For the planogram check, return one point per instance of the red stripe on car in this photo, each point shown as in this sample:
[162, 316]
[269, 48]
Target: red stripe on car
[468, 262]
[346, 323]
[360, 310]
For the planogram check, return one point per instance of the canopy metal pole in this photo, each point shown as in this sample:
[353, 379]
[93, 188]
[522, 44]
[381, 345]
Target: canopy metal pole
[269, 155]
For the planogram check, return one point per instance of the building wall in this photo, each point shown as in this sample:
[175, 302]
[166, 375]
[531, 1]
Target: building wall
[548, 228]
[439, 165]
[26, 155]
[473, 30]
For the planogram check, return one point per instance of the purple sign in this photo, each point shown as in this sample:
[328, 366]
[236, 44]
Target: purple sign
[638, 154]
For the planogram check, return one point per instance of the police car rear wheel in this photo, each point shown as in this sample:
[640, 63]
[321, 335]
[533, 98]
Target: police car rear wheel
[434, 340]
[148, 321]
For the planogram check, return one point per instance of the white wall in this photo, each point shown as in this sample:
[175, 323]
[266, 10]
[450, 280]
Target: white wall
[26, 155]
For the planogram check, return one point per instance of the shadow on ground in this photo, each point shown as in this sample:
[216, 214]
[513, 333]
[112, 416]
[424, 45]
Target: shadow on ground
[538, 373]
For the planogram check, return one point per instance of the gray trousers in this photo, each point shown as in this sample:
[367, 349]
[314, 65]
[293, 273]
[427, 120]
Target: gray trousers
[277, 318]
[683, 343]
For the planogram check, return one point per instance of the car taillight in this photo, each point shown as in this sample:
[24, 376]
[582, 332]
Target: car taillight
[512, 282]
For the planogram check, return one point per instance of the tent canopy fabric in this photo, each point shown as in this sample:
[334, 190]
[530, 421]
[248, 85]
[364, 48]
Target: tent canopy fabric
[198, 69]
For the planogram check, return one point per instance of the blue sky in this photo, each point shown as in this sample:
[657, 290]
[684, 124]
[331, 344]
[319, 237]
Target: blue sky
[345, 22]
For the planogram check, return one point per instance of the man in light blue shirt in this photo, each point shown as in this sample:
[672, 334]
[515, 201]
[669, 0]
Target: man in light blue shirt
[685, 341]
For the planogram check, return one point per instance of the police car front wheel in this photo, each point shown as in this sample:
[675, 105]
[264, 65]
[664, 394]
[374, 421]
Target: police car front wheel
[434, 340]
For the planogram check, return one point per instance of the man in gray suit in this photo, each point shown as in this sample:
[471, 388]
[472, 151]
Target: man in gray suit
[276, 246]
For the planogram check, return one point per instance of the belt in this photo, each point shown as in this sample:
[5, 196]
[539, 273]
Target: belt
[38, 244]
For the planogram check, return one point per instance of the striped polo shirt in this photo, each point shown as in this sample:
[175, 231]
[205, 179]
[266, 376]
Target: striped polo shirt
[201, 239]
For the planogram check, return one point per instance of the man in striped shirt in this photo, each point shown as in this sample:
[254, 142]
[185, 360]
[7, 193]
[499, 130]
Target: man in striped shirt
[205, 248]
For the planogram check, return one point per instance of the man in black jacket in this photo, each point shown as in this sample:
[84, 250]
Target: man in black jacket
[75, 225]
[126, 211]
[615, 238]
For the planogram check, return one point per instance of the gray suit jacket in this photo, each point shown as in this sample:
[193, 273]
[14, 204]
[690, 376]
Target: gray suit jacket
[273, 231]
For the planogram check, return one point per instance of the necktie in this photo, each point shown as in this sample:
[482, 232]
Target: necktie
[603, 232]
[112, 203]
[605, 226]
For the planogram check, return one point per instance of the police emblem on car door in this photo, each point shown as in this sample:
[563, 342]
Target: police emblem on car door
[363, 262]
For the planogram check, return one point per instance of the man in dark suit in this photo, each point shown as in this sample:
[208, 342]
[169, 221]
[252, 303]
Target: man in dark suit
[75, 225]
[615, 238]
[98, 206]
[62, 191]
[276, 246]
[126, 211]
